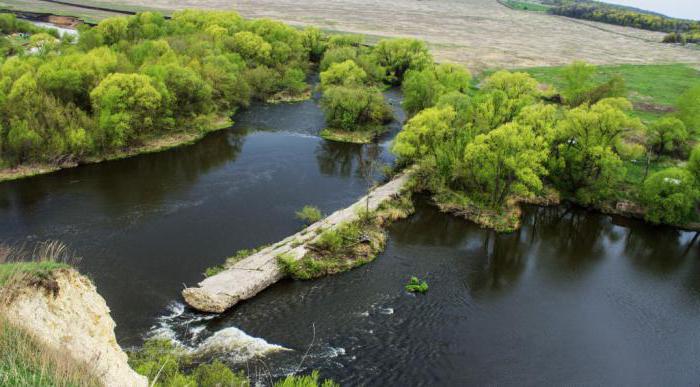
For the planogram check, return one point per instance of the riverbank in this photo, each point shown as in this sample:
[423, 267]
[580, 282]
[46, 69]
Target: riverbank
[249, 276]
[150, 145]
[56, 329]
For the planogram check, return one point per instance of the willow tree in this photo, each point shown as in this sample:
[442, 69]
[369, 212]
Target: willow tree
[584, 159]
[509, 160]
[127, 106]
[670, 196]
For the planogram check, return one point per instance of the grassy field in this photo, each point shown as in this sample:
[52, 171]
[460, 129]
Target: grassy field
[479, 33]
[526, 6]
[652, 88]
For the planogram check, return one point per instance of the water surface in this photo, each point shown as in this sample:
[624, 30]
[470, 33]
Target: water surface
[572, 298]
[147, 225]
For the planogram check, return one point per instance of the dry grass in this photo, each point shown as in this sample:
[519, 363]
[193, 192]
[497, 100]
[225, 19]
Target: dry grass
[24, 361]
[21, 267]
[480, 33]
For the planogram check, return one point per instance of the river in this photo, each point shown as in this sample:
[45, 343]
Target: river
[574, 297]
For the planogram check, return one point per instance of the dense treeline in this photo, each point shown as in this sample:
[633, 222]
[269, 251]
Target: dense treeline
[131, 78]
[480, 152]
[623, 16]
[679, 30]
[683, 37]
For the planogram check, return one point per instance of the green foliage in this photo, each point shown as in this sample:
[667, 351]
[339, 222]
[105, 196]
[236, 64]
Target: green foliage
[584, 160]
[252, 47]
[670, 196]
[130, 79]
[579, 86]
[314, 43]
[400, 55]
[694, 163]
[166, 365]
[305, 381]
[688, 106]
[337, 55]
[507, 161]
[214, 270]
[527, 6]
[423, 133]
[423, 89]
[309, 214]
[612, 14]
[503, 95]
[346, 73]
[577, 78]
[354, 108]
[126, 104]
[336, 250]
[345, 40]
[416, 286]
[653, 89]
[667, 135]
[26, 361]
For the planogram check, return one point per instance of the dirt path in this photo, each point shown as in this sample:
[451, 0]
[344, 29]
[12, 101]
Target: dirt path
[251, 275]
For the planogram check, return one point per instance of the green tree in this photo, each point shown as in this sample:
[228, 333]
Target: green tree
[670, 196]
[400, 55]
[423, 89]
[127, 106]
[517, 86]
[541, 118]
[337, 55]
[502, 97]
[584, 161]
[509, 160]
[667, 135]
[252, 47]
[189, 96]
[694, 163]
[346, 73]
[354, 108]
[314, 43]
[423, 133]
[577, 78]
[113, 29]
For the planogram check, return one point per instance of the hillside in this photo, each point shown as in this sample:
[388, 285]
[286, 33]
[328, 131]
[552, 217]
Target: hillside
[479, 33]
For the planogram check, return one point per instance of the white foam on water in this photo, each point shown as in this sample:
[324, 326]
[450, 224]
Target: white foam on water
[237, 345]
[184, 329]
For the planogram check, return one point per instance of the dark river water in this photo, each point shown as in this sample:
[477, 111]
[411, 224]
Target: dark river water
[574, 297]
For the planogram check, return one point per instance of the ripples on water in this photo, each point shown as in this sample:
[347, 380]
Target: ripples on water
[573, 297]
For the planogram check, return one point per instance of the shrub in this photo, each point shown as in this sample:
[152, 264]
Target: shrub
[694, 163]
[305, 381]
[309, 214]
[416, 286]
[346, 73]
[214, 270]
[667, 135]
[354, 108]
[670, 196]
[164, 365]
